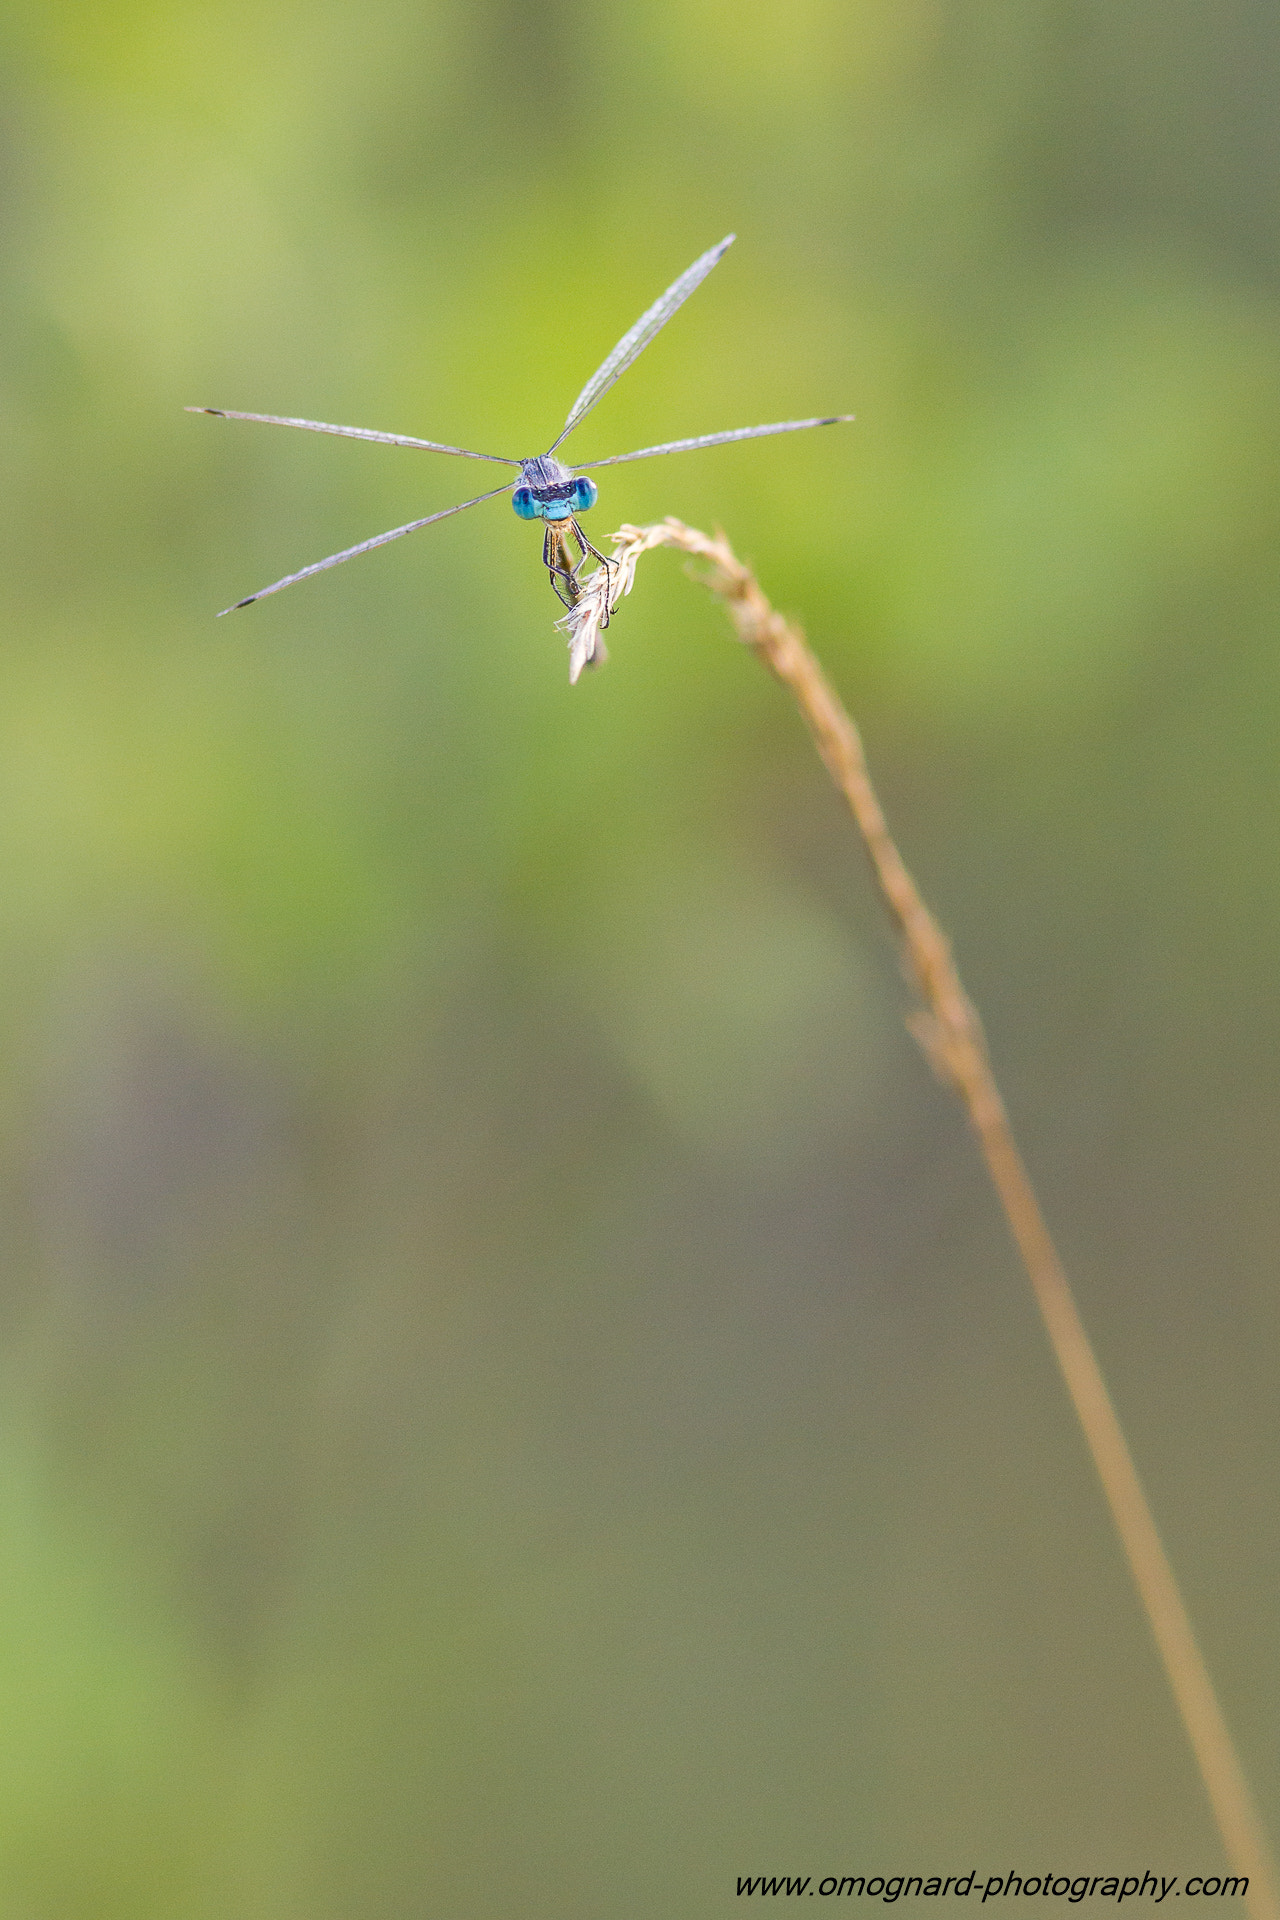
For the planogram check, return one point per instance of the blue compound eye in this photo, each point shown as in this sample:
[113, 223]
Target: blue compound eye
[585, 493]
[524, 503]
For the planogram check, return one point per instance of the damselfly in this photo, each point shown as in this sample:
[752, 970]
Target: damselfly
[544, 488]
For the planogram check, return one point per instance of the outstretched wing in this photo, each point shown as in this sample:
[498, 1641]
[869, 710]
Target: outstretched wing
[353, 433]
[365, 546]
[633, 344]
[716, 440]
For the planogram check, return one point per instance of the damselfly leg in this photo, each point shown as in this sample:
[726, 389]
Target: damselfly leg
[560, 565]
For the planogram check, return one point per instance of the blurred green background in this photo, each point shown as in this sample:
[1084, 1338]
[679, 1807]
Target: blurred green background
[515, 1395]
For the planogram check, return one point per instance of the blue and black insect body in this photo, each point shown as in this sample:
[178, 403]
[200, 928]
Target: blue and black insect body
[549, 491]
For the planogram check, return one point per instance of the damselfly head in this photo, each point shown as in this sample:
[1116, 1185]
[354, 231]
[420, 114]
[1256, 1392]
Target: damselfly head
[549, 491]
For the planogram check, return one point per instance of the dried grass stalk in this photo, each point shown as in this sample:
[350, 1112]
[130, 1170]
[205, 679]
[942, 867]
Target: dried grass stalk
[947, 1027]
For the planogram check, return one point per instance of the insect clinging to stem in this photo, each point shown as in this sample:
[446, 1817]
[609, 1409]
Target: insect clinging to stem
[544, 487]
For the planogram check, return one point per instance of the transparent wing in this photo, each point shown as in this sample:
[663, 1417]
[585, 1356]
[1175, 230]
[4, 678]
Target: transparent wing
[716, 439]
[354, 433]
[365, 546]
[633, 344]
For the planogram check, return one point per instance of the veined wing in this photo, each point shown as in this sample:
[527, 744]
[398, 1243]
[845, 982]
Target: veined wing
[353, 433]
[717, 439]
[633, 344]
[365, 546]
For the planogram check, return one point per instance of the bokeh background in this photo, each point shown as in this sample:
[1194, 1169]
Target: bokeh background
[515, 1395]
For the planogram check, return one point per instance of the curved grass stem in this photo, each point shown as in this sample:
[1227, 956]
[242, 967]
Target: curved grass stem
[948, 1028]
